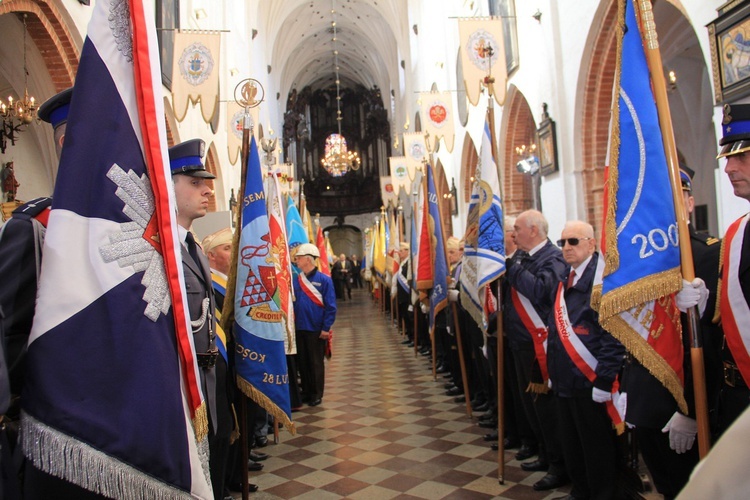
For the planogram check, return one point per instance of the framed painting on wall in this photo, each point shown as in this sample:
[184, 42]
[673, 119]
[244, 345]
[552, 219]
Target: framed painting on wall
[506, 10]
[729, 37]
[167, 22]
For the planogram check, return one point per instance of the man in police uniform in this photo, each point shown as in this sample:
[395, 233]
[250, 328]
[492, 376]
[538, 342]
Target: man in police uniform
[192, 193]
[734, 300]
[21, 240]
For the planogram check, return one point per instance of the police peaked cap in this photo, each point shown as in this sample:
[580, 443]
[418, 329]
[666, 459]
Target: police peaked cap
[686, 177]
[55, 109]
[185, 158]
[736, 130]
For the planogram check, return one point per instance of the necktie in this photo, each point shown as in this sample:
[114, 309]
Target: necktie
[192, 247]
[571, 277]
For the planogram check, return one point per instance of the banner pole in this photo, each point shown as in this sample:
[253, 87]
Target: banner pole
[645, 16]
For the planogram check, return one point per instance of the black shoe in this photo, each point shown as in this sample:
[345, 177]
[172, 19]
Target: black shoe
[490, 415]
[262, 441]
[492, 436]
[453, 391]
[481, 407]
[410, 344]
[495, 447]
[254, 466]
[510, 443]
[526, 452]
[407, 341]
[316, 402]
[426, 352]
[257, 456]
[460, 399]
[448, 375]
[441, 369]
[535, 466]
[488, 424]
[550, 482]
[449, 385]
[238, 487]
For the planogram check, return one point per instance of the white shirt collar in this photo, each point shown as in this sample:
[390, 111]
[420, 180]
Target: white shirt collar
[580, 269]
[182, 233]
[537, 248]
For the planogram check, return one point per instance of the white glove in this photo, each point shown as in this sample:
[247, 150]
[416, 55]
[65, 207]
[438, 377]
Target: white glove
[600, 396]
[692, 294]
[410, 308]
[424, 308]
[484, 351]
[452, 295]
[682, 431]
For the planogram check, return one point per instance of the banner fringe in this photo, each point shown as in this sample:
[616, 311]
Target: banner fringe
[265, 402]
[633, 294]
[717, 311]
[65, 457]
[648, 357]
[200, 422]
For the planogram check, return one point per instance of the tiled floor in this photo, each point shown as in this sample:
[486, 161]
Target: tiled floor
[385, 429]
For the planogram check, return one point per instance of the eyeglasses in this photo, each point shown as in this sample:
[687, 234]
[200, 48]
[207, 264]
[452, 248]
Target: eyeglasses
[571, 241]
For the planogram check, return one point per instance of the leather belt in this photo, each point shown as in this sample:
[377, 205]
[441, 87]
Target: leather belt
[732, 376]
[208, 359]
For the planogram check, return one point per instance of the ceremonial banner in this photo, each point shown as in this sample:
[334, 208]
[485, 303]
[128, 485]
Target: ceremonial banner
[195, 74]
[387, 191]
[415, 151]
[378, 259]
[640, 242]
[259, 333]
[295, 229]
[484, 251]
[425, 256]
[111, 400]
[320, 242]
[483, 54]
[281, 260]
[439, 292]
[306, 220]
[394, 241]
[401, 177]
[235, 120]
[437, 117]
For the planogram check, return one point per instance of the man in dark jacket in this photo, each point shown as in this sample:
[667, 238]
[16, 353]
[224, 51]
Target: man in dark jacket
[532, 276]
[583, 362]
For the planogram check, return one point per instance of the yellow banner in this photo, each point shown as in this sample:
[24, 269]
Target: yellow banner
[483, 55]
[195, 73]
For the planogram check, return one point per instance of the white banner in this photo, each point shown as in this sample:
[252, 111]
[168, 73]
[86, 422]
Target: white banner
[388, 191]
[415, 151]
[195, 73]
[437, 117]
[482, 51]
[400, 174]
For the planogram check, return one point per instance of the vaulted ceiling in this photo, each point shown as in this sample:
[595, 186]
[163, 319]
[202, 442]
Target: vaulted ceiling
[369, 33]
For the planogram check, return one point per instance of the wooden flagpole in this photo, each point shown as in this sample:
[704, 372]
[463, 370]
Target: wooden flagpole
[645, 18]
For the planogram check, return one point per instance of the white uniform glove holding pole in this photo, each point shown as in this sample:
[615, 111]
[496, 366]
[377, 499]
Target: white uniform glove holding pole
[692, 294]
[682, 431]
[600, 396]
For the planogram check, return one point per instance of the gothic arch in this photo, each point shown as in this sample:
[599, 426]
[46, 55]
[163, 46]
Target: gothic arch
[519, 128]
[469, 161]
[217, 185]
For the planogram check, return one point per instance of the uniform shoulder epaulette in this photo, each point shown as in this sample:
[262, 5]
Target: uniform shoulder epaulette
[33, 208]
[712, 240]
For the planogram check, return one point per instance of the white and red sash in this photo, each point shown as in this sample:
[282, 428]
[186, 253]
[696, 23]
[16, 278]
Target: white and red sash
[582, 357]
[536, 328]
[309, 289]
[732, 304]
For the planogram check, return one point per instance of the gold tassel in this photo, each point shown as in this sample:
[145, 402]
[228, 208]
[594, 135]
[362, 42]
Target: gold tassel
[620, 428]
[633, 294]
[236, 431]
[717, 312]
[265, 403]
[200, 422]
[536, 388]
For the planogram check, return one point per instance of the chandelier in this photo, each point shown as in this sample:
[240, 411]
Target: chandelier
[18, 114]
[338, 160]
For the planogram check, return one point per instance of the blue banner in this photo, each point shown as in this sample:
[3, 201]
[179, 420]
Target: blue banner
[439, 292]
[260, 357]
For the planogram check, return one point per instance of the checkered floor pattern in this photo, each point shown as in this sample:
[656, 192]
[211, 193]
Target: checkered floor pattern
[385, 429]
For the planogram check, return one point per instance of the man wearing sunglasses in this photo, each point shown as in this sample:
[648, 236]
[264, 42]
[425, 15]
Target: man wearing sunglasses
[583, 361]
[532, 277]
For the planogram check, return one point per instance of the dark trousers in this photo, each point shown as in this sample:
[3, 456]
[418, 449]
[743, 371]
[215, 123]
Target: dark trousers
[732, 402]
[407, 319]
[218, 448]
[310, 353]
[540, 412]
[588, 445]
[42, 486]
[295, 399]
[669, 470]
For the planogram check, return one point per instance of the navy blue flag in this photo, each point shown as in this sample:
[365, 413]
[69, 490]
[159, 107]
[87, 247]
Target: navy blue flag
[260, 356]
[439, 291]
[110, 401]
